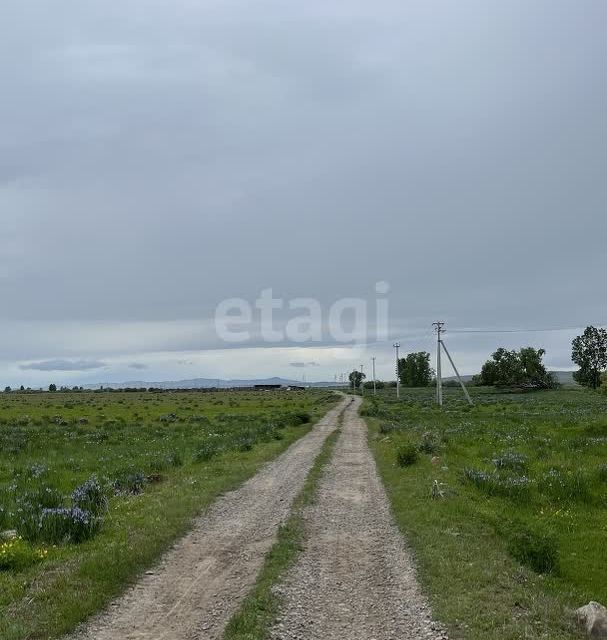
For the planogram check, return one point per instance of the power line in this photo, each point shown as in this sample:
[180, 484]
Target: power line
[536, 330]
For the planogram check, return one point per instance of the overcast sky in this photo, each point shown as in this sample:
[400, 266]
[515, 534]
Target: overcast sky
[158, 157]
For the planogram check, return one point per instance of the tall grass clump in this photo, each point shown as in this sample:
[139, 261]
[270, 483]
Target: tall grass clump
[90, 497]
[430, 442]
[406, 454]
[512, 461]
[516, 488]
[535, 549]
[67, 524]
[563, 485]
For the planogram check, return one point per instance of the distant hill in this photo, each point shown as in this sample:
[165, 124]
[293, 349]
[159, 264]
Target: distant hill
[204, 383]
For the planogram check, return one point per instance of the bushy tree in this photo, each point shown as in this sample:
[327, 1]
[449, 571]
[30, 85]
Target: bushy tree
[414, 369]
[511, 368]
[589, 352]
[356, 378]
[52, 387]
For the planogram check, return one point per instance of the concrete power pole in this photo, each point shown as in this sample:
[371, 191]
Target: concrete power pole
[439, 381]
[396, 345]
[374, 385]
[362, 381]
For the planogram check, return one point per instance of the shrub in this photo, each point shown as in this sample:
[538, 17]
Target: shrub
[430, 442]
[90, 497]
[535, 549]
[406, 455]
[17, 554]
[299, 417]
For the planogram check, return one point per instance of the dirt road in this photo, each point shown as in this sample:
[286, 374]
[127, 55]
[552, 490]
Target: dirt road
[201, 581]
[355, 579]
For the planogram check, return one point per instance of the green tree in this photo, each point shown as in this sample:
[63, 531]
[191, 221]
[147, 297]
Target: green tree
[356, 378]
[414, 369]
[589, 352]
[7, 389]
[52, 387]
[511, 368]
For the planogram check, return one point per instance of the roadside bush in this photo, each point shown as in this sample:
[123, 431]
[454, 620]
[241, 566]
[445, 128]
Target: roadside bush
[297, 418]
[17, 554]
[535, 549]
[406, 454]
[430, 442]
[90, 497]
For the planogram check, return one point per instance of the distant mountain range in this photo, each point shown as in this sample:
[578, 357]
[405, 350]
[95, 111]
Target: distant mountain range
[205, 383]
[564, 377]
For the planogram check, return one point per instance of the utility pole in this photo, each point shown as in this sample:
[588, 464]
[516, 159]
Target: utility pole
[439, 383]
[362, 381]
[438, 327]
[396, 345]
[374, 385]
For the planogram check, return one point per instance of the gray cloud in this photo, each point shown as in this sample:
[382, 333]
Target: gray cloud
[137, 365]
[455, 150]
[301, 365]
[63, 365]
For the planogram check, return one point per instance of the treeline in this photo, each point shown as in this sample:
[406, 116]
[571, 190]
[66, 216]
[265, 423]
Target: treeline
[512, 368]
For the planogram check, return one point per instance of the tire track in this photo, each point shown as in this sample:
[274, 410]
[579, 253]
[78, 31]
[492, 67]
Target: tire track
[355, 578]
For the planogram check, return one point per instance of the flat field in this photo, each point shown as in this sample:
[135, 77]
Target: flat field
[98, 484]
[504, 504]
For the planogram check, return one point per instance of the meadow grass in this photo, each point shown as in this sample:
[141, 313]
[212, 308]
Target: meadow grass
[132, 461]
[515, 535]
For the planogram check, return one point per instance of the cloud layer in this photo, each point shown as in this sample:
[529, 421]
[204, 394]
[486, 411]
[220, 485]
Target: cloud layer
[156, 161]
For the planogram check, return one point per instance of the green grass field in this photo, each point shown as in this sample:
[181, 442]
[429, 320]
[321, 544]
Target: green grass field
[146, 465]
[513, 536]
